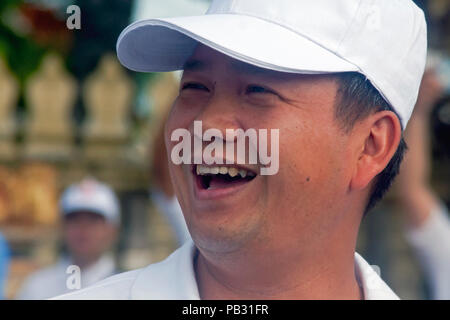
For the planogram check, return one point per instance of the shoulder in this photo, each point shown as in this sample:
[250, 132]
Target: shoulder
[170, 279]
[48, 274]
[48, 280]
[117, 287]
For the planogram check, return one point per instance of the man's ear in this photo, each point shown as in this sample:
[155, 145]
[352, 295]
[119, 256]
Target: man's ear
[381, 136]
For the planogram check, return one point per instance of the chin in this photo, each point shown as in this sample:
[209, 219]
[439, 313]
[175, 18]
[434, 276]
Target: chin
[224, 236]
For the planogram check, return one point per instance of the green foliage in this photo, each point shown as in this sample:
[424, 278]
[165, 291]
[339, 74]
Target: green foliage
[4, 4]
[21, 53]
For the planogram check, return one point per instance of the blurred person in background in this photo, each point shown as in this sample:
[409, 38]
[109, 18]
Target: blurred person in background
[162, 193]
[424, 214]
[91, 218]
[4, 264]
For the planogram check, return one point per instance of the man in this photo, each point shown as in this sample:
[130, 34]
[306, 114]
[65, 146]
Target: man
[338, 80]
[91, 217]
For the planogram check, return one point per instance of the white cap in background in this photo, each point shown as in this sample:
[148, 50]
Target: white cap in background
[93, 196]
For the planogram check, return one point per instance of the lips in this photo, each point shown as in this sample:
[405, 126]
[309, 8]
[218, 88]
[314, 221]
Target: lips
[212, 182]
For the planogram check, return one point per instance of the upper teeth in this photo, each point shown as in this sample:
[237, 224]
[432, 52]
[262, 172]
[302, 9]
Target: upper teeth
[203, 170]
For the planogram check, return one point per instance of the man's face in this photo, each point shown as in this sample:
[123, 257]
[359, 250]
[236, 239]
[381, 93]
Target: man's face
[295, 206]
[88, 235]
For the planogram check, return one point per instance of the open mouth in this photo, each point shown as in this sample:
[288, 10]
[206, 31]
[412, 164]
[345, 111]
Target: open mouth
[220, 177]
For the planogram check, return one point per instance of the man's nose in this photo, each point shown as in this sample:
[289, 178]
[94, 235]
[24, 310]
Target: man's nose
[220, 113]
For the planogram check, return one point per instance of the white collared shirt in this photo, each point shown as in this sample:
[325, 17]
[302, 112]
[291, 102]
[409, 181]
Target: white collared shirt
[174, 279]
[52, 281]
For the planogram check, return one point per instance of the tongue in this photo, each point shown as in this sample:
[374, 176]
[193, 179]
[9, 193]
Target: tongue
[217, 182]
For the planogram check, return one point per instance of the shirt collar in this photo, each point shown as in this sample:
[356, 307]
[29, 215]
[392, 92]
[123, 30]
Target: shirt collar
[171, 279]
[174, 279]
[374, 288]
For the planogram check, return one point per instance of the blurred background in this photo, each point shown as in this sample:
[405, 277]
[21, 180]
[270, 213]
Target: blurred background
[69, 110]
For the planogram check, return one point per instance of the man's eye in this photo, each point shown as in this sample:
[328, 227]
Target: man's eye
[195, 86]
[257, 89]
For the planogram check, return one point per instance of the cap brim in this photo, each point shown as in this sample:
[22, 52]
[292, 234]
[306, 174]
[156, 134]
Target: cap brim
[159, 45]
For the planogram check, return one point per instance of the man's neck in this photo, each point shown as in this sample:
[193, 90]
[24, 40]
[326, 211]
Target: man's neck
[312, 274]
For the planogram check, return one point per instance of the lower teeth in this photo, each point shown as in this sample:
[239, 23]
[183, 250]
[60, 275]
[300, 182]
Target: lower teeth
[206, 182]
[206, 179]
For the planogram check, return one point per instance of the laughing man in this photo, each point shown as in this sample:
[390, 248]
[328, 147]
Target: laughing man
[339, 80]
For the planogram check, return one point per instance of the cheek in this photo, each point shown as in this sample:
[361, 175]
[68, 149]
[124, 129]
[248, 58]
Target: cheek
[69, 235]
[310, 180]
[104, 235]
[72, 231]
[176, 120]
[311, 161]
[180, 117]
[97, 236]
[182, 114]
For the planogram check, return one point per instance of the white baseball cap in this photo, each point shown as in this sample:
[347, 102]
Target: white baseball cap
[386, 40]
[93, 196]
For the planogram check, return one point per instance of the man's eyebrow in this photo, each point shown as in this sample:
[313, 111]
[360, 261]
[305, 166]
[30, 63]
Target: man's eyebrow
[194, 65]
